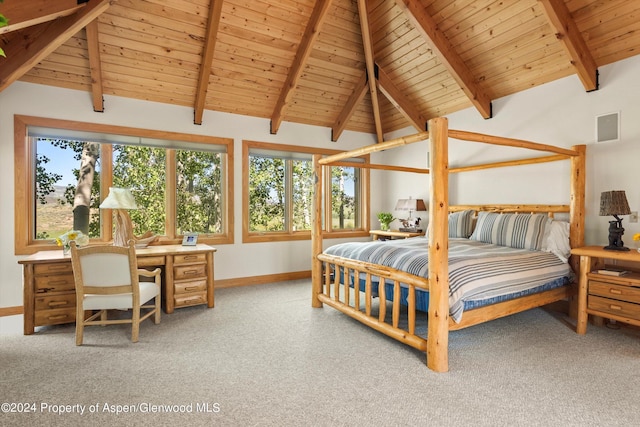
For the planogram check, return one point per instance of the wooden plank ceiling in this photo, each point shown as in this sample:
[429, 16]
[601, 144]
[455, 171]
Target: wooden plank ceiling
[371, 66]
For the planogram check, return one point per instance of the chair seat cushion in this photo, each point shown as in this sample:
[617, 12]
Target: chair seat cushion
[148, 290]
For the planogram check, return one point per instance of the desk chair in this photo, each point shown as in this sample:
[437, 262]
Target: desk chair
[106, 277]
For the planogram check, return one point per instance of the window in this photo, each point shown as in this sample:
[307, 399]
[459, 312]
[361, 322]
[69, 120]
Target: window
[278, 190]
[64, 170]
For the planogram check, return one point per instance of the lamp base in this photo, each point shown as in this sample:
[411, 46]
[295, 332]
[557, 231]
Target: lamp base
[616, 248]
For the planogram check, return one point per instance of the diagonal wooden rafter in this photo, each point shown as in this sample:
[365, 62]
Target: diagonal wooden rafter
[425, 24]
[213, 23]
[304, 50]
[26, 47]
[399, 101]
[27, 13]
[95, 66]
[350, 107]
[369, 59]
[567, 32]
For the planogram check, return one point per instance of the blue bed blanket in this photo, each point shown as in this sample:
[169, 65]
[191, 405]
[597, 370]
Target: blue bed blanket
[478, 272]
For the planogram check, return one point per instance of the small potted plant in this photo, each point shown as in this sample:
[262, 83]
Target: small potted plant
[385, 219]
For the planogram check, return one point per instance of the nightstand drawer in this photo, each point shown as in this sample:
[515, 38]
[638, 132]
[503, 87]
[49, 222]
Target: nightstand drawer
[614, 307]
[616, 291]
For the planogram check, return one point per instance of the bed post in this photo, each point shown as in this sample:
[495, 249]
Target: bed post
[316, 234]
[576, 213]
[438, 326]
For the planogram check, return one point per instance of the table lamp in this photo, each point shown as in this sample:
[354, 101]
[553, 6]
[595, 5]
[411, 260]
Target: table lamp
[410, 205]
[615, 203]
[121, 200]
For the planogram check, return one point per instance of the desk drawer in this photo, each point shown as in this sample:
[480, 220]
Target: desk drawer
[614, 307]
[183, 272]
[55, 317]
[197, 298]
[62, 282]
[51, 302]
[53, 268]
[190, 259]
[615, 291]
[150, 261]
[191, 286]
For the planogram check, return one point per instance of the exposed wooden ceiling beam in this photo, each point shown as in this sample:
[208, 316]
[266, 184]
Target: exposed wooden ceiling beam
[95, 67]
[26, 13]
[567, 32]
[213, 23]
[350, 107]
[369, 59]
[425, 24]
[304, 50]
[399, 100]
[26, 47]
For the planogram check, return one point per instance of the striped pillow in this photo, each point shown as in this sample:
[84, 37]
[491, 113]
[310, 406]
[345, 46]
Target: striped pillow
[520, 231]
[461, 224]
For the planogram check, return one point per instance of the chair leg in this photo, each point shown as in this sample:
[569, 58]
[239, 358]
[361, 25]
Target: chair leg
[135, 324]
[79, 324]
[103, 316]
[158, 303]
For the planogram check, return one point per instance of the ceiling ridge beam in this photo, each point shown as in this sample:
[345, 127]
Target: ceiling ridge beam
[213, 23]
[300, 60]
[367, 43]
[95, 66]
[27, 47]
[569, 35]
[400, 101]
[445, 52]
[27, 13]
[350, 107]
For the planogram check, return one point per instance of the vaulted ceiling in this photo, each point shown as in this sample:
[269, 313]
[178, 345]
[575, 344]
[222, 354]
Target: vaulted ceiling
[371, 66]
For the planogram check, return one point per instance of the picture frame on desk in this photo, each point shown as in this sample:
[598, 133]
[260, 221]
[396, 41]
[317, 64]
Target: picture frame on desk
[190, 239]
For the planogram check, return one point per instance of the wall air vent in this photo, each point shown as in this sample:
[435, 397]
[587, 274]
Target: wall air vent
[608, 127]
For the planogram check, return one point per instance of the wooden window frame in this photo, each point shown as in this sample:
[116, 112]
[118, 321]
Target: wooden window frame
[24, 183]
[328, 233]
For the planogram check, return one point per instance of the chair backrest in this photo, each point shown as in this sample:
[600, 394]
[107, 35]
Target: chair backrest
[105, 269]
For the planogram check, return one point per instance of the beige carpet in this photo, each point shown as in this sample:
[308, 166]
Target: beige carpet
[264, 357]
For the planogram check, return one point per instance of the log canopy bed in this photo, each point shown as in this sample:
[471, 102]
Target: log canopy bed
[346, 276]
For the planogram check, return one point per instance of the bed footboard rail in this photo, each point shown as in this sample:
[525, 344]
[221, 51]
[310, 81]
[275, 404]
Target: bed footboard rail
[352, 287]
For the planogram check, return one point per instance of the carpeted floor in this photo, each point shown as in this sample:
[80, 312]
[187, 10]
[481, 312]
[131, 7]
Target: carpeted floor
[263, 356]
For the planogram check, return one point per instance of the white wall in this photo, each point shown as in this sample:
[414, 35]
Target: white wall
[559, 113]
[231, 261]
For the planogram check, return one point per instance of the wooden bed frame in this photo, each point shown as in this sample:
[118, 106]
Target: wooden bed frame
[326, 286]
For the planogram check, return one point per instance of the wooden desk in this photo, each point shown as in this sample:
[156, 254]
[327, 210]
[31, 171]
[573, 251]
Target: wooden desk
[393, 234]
[49, 288]
[612, 297]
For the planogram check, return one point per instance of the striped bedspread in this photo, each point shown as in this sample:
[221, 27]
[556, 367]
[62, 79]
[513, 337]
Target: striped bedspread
[477, 271]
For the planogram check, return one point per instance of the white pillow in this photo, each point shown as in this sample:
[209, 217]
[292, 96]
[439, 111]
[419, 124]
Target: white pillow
[557, 240]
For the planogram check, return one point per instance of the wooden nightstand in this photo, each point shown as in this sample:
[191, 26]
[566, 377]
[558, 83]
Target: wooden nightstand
[393, 234]
[611, 297]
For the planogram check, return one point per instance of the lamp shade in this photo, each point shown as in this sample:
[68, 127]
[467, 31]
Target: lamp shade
[119, 198]
[614, 203]
[410, 205]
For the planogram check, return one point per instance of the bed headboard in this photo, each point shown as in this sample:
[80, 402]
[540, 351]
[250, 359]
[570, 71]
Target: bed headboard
[550, 210]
